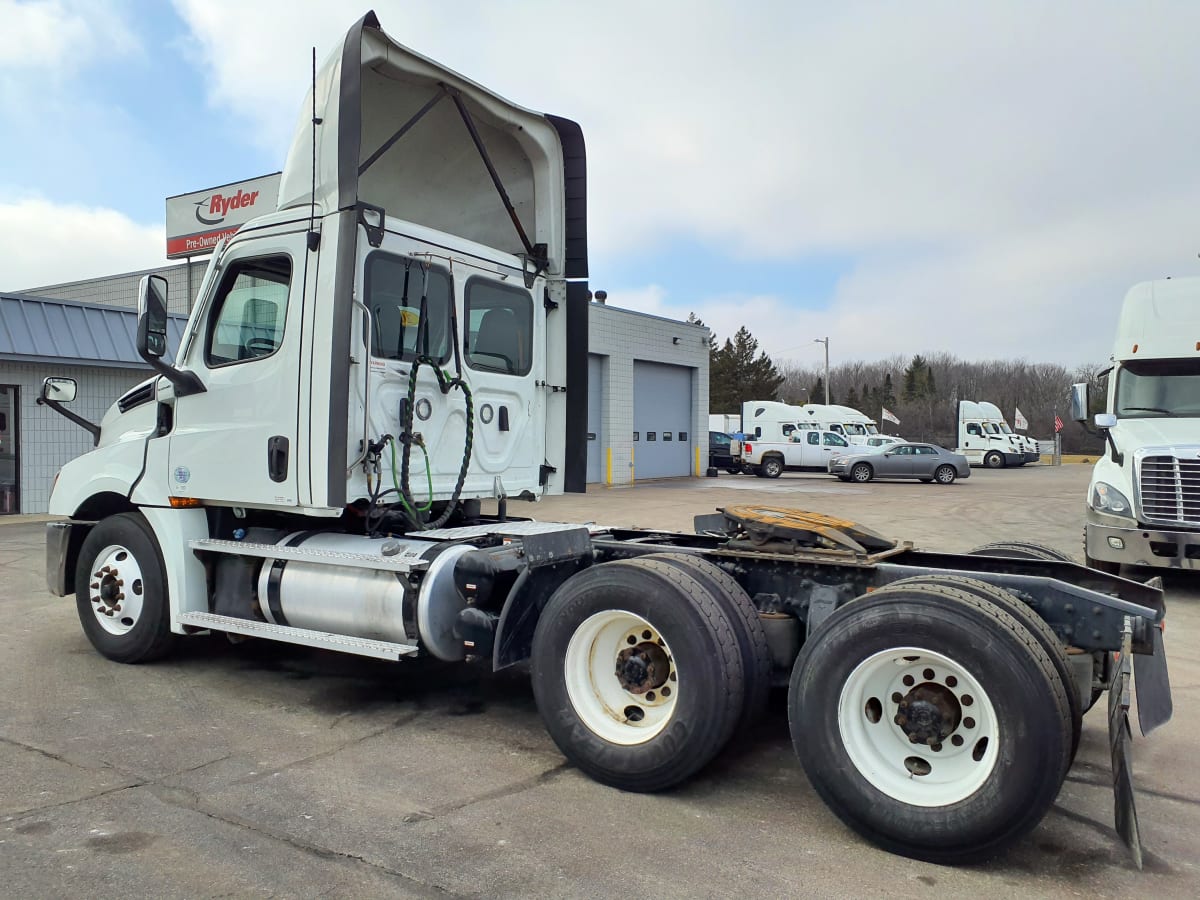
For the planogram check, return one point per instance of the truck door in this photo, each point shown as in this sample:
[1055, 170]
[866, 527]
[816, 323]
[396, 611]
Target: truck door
[499, 327]
[236, 441]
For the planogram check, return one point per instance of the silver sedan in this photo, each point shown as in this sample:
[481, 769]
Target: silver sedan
[927, 462]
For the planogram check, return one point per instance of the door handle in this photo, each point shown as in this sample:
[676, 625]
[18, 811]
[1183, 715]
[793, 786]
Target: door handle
[277, 457]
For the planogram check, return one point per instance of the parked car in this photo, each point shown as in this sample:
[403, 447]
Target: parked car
[720, 454]
[927, 462]
[882, 440]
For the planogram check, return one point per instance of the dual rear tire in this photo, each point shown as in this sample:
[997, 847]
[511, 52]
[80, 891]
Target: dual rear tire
[643, 669]
[931, 721]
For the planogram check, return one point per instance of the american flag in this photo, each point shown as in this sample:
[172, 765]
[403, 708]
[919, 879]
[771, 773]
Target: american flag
[1058, 424]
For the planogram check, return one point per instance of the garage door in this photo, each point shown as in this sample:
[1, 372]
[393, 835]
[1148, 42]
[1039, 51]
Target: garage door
[662, 420]
[595, 450]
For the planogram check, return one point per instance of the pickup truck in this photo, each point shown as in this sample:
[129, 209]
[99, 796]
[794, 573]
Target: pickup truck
[802, 450]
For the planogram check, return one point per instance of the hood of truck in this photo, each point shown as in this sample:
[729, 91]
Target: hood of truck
[1178, 436]
[403, 133]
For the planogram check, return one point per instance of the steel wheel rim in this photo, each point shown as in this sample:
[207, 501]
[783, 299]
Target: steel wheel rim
[116, 589]
[598, 695]
[879, 747]
[772, 467]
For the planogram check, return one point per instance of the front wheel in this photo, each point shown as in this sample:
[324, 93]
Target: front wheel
[931, 724]
[862, 473]
[637, 674]
[121, 590]
[945, 475]
[994, 460]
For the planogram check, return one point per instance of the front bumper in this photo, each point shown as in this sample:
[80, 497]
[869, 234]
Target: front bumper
[1138, 546]
[1032, 456]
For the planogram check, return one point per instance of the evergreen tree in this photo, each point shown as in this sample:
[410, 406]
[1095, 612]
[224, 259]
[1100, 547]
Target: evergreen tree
[852, 399]
[888, 395]
[816, 394]
[739, 371]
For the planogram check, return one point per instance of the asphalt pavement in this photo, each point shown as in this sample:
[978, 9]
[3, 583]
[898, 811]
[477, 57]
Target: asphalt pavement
[265, 770]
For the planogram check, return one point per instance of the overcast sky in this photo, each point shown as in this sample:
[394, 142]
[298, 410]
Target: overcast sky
[902, 177]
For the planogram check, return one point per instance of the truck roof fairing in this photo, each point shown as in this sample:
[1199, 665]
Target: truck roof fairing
[1159, 320]
[399, 131]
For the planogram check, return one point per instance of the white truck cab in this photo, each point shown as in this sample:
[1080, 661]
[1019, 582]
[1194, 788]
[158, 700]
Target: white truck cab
[1143, 503]
[851, 424]
[985, 438]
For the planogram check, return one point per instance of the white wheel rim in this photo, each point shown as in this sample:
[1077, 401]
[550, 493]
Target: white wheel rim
[116, 589]
[602, 701]
[880, 747]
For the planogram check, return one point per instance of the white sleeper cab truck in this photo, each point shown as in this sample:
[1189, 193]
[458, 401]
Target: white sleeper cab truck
[985, 439]
[404, 338]
[1022, 442]
[1143, 504]
[851, 424]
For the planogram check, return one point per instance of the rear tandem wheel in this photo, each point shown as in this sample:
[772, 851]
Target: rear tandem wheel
[931, 722]
[637, 673]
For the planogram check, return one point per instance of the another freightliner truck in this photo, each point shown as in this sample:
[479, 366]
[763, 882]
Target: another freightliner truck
[404, 338]
[1143, 503]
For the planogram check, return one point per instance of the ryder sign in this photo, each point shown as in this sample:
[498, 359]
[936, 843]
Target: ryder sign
[196, 222]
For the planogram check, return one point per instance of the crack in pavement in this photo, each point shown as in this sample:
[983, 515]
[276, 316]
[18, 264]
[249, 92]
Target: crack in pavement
[1150, 792]
[508, 791]
[189, 800]
[21, 745]
[22, 813]
[325, 754]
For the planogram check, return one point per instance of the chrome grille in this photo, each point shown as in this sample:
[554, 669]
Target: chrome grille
[1170, 489]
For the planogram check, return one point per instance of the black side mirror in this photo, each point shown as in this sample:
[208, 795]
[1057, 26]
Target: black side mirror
[152, 317]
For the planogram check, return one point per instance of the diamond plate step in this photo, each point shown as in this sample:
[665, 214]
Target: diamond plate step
[324, 640]
[398, 563]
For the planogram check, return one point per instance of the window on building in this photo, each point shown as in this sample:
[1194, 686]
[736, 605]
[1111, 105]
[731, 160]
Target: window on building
[248, 314]
[394, 286]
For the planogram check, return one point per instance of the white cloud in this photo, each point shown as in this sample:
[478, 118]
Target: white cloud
[60, 34]
[45, 242]
[998, 174]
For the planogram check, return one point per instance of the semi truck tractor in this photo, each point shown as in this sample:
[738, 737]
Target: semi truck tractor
[1143, 503]
[376, 372]
[985, 438]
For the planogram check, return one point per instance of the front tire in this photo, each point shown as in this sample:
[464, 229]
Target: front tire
[994, 460]
[862, 473]
[637, 674]
[975, 757]
[945, 475]
[121, 591]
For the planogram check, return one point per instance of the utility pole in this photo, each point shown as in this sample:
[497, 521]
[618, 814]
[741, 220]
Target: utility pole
[825, 341]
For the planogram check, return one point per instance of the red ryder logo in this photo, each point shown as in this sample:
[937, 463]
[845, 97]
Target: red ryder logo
[219, 205]
[197, 221]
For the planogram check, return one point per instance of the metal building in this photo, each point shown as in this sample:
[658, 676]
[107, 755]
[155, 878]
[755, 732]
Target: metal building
[92, 343]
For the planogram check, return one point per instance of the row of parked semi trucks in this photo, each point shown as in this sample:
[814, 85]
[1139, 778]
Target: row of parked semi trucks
[806, 437]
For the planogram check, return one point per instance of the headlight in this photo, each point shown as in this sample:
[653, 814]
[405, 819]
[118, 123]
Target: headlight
[837, 460]
[1106, 498]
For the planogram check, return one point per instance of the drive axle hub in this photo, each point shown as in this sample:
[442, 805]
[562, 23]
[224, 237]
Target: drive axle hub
[643, 668]
[929, 714]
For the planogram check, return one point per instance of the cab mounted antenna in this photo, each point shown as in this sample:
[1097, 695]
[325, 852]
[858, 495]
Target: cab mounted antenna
[313, 238]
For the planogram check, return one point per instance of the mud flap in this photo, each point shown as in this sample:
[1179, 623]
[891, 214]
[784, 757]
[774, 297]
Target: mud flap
[1152, 686]
[1120, 739]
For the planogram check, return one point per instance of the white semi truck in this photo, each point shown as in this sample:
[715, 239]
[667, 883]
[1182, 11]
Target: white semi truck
[985, 438]
[405, 338]
[1143, 503]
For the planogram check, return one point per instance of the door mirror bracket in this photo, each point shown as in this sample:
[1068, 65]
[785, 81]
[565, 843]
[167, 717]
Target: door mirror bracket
[152, 335]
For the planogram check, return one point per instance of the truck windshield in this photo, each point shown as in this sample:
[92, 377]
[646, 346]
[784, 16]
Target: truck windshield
[1004, 427]
[1158, 387]
[855, 429]
[990, 428]
[871, 429]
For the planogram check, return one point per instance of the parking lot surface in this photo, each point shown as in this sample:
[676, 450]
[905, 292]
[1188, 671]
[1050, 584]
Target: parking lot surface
[267, 770]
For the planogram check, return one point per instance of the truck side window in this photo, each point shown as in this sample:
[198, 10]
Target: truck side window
[974, 429]
[248, 314]
[814, 437]
[499, 327]
[393, 286]
[833, 440]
